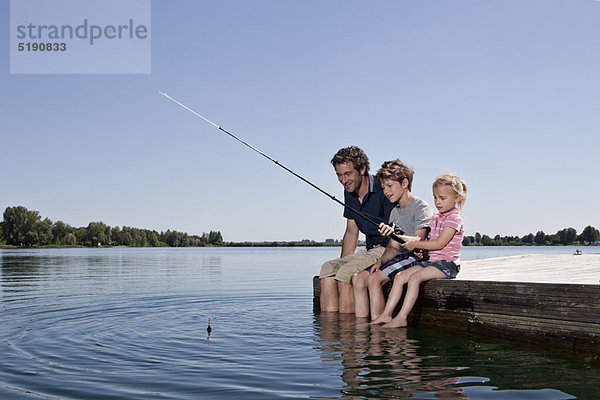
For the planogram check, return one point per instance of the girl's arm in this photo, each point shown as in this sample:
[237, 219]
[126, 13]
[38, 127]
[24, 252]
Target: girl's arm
[387, 230]
[437, 244]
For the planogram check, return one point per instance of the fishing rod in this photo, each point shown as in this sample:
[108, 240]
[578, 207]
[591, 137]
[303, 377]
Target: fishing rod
[393, 236]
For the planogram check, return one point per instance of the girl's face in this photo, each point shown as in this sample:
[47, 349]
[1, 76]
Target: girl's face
[393, 189]
[445, 198]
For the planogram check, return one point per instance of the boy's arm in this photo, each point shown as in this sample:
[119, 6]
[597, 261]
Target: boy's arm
[390, 252]
[437, 244]
[350, 240]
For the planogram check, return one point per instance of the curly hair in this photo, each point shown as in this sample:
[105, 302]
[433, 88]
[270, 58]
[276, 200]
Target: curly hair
[352, 154]
[395, 170]
[457, 184]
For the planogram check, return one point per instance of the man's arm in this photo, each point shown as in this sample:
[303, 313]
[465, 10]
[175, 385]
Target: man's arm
[350, 240]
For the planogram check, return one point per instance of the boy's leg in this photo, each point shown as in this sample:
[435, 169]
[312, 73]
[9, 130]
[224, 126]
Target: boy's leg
[412, 293]
[375, 289]
[361, 295]
[354, 264]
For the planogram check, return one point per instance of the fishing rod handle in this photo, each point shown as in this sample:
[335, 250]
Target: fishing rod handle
[397, 238]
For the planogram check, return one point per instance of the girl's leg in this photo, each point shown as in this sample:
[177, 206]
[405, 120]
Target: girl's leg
[377, 301]
[361, 296]
[412, 293]
[395, 295]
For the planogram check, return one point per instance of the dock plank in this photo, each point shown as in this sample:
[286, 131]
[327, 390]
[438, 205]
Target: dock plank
[544, 300]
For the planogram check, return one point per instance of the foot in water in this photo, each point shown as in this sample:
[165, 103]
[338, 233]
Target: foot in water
[382, 319]
[396, 324]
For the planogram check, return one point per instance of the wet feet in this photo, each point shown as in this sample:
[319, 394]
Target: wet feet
[396, 324]
[382, 319]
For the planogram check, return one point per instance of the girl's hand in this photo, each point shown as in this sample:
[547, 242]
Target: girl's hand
[410, 245]
[385, 230]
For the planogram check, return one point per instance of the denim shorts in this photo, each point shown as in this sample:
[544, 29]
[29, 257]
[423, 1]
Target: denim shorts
[449, 268]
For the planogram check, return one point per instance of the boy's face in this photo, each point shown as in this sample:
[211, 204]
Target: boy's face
[348, 176]
[393, 189]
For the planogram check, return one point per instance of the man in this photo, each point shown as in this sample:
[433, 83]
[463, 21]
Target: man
[365, 195]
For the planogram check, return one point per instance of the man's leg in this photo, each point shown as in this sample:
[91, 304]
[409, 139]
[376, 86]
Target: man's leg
[329, 294]
[346, 297]
[329, 289]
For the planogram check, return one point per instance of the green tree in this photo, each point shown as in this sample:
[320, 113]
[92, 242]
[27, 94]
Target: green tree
[468, 240]
[70, 239]
[567, 236]
[487, 241]
[590, 235]
[60, 230]
[44, 230]
[23, 227]
[97, 233]
[214, 237]
[528, 239]
[540, 238]
[498, 241]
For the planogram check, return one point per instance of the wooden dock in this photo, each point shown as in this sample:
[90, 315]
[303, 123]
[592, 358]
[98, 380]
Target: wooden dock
[552, 301]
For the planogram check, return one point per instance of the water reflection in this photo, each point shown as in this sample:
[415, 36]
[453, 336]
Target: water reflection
[381, 363]
[406, 363]
[86, 271]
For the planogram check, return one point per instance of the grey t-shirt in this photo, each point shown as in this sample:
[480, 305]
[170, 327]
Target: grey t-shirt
[414, 217]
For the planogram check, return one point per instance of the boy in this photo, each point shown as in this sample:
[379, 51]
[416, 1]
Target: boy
[412, 216]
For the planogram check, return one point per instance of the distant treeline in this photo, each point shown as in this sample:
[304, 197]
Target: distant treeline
[564, 237]
[22, 227]
[301, 243]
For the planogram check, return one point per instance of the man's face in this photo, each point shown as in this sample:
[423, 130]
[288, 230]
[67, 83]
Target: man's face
[348, 176]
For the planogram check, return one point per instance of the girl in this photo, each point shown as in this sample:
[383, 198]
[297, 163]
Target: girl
[449, 192]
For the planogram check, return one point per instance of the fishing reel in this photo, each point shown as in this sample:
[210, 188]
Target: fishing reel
[397, 229]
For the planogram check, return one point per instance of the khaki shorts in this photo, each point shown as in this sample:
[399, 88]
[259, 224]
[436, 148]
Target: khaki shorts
[343, 268]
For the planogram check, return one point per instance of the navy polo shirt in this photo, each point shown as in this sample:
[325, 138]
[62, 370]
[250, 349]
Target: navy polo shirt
[375, 206]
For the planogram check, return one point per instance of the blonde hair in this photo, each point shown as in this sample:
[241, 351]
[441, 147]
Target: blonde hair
[395, 170]
[457, 184]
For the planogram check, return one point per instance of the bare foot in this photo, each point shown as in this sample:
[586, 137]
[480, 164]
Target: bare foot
[396, 324]
[382, 319]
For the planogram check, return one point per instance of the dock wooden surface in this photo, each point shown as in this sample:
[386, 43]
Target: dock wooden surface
[552, 301]
[538, 268]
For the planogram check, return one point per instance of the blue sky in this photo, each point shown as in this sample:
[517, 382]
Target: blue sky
[504, 93]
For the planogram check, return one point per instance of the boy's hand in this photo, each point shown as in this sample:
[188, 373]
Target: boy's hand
[376, 266]
[385, 230]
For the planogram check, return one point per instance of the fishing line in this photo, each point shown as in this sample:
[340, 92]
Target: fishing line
[367, 218]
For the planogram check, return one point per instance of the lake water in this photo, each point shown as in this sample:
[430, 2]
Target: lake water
[131, 324]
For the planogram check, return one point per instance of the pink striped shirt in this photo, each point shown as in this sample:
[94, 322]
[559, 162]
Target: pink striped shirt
[450, 219]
